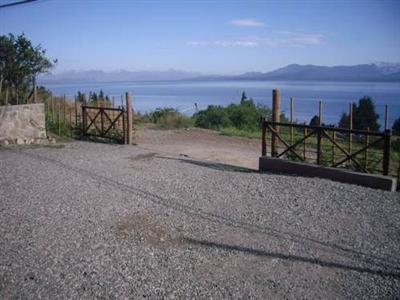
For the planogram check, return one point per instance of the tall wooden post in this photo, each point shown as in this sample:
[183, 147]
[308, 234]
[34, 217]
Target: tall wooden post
[291, 121]
[276, 117]
[129, 117]
[76, 113]
[366, 149]
[304, 143]
[263, 138]
[59, 118]
[350, 127]
[320, 113]
[84, 117]
[65, 105]
[53, 118]
[319, 136]
[386, 152]
[386, 118]
[333, 148]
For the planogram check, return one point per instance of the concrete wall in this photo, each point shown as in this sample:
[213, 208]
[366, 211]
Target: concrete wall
[270, 164]
[22, 124]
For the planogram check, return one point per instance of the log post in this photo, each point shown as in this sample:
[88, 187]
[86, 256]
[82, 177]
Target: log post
[333, 148]
[263, 138]
[129, 117]
[320, 113]
[65, 105]
[276, 117]
[366, 149]
[386, 118]
[350, 126]
[319, 146]
[386, 152]
[304, 142]
[291, 122]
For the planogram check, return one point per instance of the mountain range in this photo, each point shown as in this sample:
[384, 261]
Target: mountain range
[384, 72]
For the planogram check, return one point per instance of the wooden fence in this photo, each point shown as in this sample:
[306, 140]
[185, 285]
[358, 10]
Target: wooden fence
[360, 150]
[65, 117]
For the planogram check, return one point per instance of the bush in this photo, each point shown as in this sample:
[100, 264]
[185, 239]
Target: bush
[214, 117]
[244, 116]
[169, 118]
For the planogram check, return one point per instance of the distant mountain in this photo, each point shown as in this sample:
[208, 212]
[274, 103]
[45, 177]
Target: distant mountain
[294, 72]
[379, 71]
[122, 75]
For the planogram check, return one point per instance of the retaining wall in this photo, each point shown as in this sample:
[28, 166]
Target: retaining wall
[22, 124]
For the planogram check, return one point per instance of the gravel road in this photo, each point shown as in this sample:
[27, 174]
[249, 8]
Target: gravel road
[85, 220]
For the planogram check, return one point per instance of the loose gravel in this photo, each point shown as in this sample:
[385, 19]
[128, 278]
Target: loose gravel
[86, 220]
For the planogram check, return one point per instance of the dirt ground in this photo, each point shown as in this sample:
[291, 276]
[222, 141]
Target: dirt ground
[201, 144]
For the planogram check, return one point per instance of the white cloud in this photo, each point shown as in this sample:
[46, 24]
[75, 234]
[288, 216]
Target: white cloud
[198, 43]
[247, 23]
[299, 40]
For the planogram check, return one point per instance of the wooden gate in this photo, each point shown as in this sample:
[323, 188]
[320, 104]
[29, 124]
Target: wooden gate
[105, 123]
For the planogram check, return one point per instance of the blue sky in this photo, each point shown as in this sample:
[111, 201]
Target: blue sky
[224, 37]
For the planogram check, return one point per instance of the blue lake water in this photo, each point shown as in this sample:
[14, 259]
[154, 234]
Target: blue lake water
[182, 95]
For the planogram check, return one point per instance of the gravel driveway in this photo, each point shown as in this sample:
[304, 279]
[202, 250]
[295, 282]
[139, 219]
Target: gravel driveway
[90, 220]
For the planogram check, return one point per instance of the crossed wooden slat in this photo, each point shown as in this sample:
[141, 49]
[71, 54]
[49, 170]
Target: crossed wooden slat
[102, 132]
[349, 157]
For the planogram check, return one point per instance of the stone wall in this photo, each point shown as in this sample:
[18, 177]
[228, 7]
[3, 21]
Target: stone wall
[22, 124]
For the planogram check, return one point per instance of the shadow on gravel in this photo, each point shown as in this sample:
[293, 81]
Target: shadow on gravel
[294, 258]
[212, 165]
[382, 262]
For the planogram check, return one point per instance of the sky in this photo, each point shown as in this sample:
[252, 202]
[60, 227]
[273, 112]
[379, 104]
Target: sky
[211, 37]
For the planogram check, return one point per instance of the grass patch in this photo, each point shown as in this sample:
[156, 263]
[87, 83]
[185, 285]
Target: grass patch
[233, 131]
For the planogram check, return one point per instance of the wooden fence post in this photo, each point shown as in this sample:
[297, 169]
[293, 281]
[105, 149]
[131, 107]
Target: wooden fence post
[83, 112]
[319, 145]
[304, 142]
[59, 118]
[320, 113]
[386, 118]
[65, 104]
[129, 117]
[52, 109]
[276, 117]
[291, 121]
[263, 138]
[386, 152]
[76, 113]
[350, 126]
[319, 136]
[366, 149]
[333, 148]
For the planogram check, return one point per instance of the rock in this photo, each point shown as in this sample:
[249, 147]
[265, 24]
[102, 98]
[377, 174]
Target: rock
[4, 142]
[19, 141]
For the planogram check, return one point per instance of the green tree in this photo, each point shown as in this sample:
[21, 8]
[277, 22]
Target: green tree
[364, 116]
[314, 121]
[243, 98]
[20, 63]
[344, 121]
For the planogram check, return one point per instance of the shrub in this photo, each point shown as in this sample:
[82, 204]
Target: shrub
[214, 117]
[169, 118]
[244, 116]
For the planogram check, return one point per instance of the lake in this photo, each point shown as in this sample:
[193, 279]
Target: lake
[182, 95]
